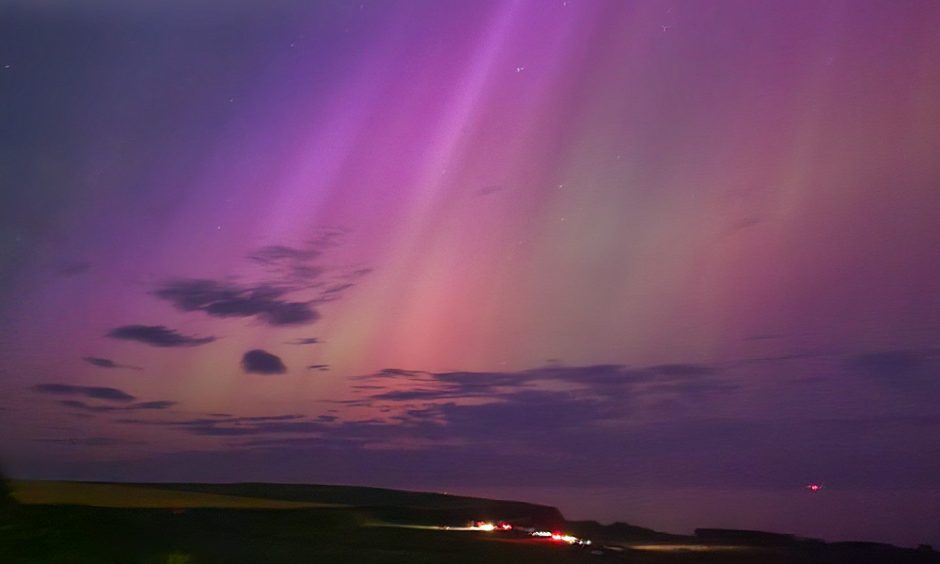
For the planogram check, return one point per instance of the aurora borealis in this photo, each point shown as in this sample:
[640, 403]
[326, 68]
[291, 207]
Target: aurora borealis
[662, 262]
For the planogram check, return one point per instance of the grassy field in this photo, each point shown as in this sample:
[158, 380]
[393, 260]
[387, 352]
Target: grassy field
[79, 522]
[135, 496]
[83, 534]
[430, 507]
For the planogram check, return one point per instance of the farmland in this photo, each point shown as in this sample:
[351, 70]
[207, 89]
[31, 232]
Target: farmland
[84, 522]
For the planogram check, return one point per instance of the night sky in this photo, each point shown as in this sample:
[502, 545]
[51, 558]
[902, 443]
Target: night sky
[657, 261]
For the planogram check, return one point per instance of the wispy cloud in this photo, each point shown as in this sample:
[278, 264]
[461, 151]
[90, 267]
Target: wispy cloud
[304, 341]
[107, 363]
[94, 392]
[104, 408]
[293, 283]
[222, 299]
[157, 335]
[91, 441]
[601, 379]
[106, 399]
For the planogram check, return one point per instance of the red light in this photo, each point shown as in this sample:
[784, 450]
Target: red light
[814, 487]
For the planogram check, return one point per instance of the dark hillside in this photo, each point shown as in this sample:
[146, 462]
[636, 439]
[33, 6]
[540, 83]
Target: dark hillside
[393, 505]
[364, 525]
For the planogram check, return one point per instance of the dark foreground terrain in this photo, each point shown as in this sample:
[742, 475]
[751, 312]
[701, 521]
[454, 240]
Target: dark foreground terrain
[357, 525]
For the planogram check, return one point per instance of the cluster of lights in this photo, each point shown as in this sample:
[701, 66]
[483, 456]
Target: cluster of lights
[564, 538]
[554, 536]
[559, 537]
[490, 526]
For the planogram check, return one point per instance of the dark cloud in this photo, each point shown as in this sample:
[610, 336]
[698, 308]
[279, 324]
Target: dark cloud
[409, 395]
[279, 253]
[293, 285]
[220, 299]
[683, 370]
[537, 418]
[160, 404]
[258, 361]
[288, 271]
[305, 273]
[109, 408]
[293, 265]
[107, 363]
[399, 372]
[77, 404]
[286, 417]
[600, 379]
[115, 399]
[524, 409]
[90, 441]
[898, 367]
[319, 367]
[277, 427]
[242, 426]
[93, 392]
[102, 362]
[788, 357]
[101, 408]
[333, 290]
[304, 341]
[157, 335]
